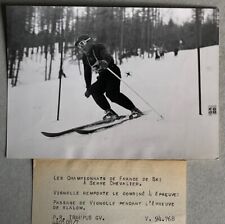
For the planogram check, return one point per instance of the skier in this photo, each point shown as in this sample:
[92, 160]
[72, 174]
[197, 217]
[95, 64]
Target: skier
[96, 58]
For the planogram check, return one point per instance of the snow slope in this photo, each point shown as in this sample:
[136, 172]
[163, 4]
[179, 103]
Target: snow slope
[170, 85]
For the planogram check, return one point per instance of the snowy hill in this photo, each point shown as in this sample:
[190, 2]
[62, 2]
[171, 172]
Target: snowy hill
[170, 85]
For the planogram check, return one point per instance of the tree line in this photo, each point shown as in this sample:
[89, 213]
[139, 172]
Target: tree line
[126, 31]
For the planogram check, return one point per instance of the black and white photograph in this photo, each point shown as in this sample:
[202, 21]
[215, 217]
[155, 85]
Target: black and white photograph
[116, 82]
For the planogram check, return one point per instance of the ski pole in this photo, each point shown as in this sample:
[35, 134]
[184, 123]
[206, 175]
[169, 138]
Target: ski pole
[146, 102]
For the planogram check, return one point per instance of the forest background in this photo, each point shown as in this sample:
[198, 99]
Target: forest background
[126, 32]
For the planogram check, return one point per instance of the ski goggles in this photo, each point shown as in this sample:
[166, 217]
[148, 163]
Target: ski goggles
[83, 43]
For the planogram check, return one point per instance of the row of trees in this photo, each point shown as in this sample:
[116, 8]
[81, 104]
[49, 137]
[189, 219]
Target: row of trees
[39, 28]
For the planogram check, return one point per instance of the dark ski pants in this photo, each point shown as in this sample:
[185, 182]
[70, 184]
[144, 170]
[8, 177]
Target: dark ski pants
[109, 85]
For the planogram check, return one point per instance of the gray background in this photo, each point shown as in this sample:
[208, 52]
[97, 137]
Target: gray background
[205, 179]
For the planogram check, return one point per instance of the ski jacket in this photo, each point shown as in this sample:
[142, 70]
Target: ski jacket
[95, 53]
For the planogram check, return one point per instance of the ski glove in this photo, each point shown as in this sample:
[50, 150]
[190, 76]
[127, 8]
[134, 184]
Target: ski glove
[87, 93]
[101, 65]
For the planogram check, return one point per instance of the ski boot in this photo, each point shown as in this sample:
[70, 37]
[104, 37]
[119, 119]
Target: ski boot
[135, 113]
[110, 115]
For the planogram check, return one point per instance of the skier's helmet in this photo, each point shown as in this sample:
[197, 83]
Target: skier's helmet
[82, 41]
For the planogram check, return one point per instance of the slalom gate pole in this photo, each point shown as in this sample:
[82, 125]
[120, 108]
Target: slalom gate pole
[60, 80]
[198, 45]
[133, 90]
[60, 71]
[59, 96]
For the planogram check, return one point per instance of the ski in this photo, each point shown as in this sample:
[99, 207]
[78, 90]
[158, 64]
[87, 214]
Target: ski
[93, 124]
[94, 130]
